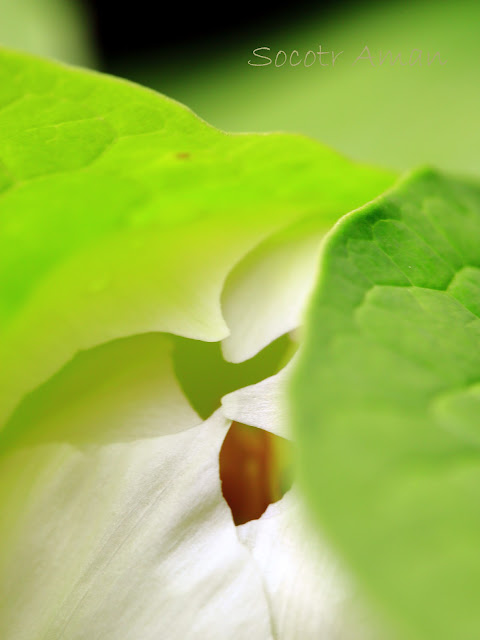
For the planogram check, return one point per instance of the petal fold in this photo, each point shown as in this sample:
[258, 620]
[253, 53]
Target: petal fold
[121, 531]
[266, 293]
[309, 596]
[262, 405]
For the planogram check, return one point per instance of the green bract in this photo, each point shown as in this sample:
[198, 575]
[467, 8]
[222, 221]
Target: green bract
[386, 402]
[122, 213]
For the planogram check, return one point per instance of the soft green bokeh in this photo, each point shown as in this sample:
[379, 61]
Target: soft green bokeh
[386, 401]
[398, 116]
[53, 28]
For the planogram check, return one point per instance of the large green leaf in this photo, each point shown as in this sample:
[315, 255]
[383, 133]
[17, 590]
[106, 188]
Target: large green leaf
[386, 402]
[122, 213]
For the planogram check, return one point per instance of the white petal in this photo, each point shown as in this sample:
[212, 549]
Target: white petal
[309, 597]
[266, 293]
[137, 282]
[262, 405]
[121, 391]
[122, 539]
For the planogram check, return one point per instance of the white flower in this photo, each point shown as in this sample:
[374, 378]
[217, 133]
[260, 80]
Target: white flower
[114, 526]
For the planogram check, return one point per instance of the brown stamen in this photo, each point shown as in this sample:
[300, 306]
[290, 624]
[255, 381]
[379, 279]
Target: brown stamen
[255, 470]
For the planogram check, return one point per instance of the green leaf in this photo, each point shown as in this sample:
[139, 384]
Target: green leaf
[386, 402]
[123, 213]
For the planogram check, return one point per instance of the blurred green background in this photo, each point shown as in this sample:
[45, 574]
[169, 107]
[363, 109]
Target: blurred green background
[396, 115]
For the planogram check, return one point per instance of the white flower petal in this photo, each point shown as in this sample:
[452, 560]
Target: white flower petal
[265, 294]
[136, 282]
[122, 539]
[121, 391]
[261, 405]
[309, 597]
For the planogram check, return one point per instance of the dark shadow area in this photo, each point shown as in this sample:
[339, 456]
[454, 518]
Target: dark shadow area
[177, 31]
